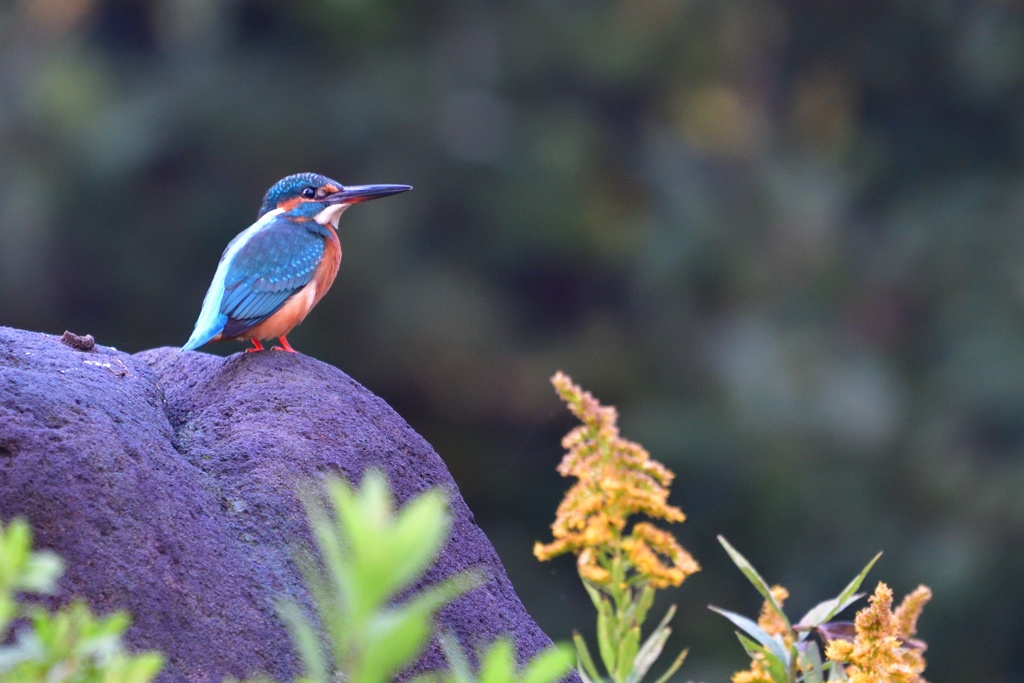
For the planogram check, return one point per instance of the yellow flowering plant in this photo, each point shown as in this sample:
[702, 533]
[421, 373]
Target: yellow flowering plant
[878, 647]
[882, 648]
[621, 565]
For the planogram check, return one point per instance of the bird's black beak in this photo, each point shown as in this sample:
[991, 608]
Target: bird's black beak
[353, 194]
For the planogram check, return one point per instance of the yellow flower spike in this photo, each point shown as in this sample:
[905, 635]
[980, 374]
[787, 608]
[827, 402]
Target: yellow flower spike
[882, 650]
[910, 609]
[591, 570]
[769, 620]
[758, 676]
[839, 650]
[617, 479]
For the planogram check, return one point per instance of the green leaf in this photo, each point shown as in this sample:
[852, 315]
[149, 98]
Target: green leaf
[331, 607]
[26, 648]
[750, 646]
[328, 579]
[139, 669]
[419, 532]
[775, 668]
[8, 609]
[585, 660]
[392, 551]
[440, 594]
[812, 667]
[498, 663]
[21, 568]
[586, 678]
[606, 635]
[674, 667]
[550, 665]
[432, 677]
[458, 666]
[15, 545]
[393, 638]
[759, 583]
[69, 644]
[652, 647]
[41, 573]
[822, 613]
[826, 610]
[363, 513]
[356, 544]
[597, 597]
[306, 641]
[629, 645]
[772, 644]
[643, 605]
[331, 569]
[669, 613]
[606, 644]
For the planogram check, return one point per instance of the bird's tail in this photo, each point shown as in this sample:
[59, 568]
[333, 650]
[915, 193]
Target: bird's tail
[204, 333]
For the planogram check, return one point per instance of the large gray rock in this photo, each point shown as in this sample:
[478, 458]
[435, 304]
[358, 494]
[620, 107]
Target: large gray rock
[167, 482]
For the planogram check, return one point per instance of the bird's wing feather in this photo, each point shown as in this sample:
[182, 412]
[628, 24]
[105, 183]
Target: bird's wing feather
[273, 264]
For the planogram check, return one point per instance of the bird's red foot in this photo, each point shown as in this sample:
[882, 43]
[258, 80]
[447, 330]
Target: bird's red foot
[256, 346]
[285, 346]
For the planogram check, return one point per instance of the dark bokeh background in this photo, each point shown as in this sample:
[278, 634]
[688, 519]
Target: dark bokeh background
[784, 238]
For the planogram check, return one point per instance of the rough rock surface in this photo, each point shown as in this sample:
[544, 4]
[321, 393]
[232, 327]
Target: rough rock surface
[167, 482]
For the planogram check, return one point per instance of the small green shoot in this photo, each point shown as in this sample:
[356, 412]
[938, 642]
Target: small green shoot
[70, 645]
[498, 664]
[367, 554]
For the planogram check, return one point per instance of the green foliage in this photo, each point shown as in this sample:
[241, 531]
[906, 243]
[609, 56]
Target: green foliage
[367, 554]
[68, 646]
[790, 656]
[21, 569]
[621, 613]
[498, 664]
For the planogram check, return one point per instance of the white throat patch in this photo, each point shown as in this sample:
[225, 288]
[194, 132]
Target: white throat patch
[331, 214]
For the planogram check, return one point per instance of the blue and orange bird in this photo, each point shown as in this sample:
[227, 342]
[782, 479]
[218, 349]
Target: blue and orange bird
[275, 271]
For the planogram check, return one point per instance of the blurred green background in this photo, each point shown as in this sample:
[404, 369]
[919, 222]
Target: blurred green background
[783, 238]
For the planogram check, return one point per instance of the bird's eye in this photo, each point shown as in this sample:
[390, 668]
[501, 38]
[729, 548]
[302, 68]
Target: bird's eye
[309, 192]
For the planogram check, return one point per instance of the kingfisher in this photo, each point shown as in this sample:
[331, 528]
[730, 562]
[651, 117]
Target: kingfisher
[274, 272]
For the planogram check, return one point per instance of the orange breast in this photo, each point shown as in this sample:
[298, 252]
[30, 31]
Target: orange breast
[325, 273]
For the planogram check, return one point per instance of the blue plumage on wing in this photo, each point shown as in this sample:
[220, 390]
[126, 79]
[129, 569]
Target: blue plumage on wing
[273, 265]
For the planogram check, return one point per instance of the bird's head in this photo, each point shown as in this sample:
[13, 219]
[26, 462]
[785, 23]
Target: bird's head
[311, 196]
